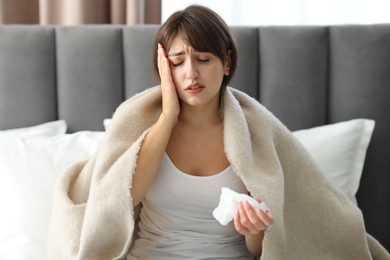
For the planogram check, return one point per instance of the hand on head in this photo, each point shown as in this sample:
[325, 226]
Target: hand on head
[171, 105]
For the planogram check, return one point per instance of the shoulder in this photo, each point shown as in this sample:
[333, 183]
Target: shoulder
[238, 104]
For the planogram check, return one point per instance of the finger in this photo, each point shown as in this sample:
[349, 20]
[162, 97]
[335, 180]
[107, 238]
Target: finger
[245, 219]
[255, 219]
[161, 58]
[265, 216]
[162, 61]
[164, 66]
[267, 213]
[162, 50]
[237, 224]
[250, 211]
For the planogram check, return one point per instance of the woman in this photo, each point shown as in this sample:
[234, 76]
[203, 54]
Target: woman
[171, 149]
[196, 59]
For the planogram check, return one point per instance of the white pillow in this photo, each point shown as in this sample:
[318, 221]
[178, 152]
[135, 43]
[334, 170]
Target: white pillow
[46, 129]
[29, 168]
[339, 150]
[106, 123]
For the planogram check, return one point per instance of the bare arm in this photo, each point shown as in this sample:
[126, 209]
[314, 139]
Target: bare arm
[154, 145]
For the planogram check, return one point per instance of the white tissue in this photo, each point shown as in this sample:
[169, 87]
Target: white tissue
[227, 206]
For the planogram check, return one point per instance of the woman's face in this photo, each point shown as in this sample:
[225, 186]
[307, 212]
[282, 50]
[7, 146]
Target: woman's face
[197, 75]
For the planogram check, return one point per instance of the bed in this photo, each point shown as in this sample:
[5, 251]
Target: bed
[60, 85]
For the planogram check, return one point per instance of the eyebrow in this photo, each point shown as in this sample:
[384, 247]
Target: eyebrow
[175, 54]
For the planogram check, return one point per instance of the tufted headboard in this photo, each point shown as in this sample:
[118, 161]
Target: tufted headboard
[306, 75]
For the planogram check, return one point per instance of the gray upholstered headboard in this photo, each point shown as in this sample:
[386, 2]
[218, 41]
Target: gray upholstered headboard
[307, 76]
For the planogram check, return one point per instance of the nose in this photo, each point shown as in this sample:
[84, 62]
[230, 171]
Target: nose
[191, 70]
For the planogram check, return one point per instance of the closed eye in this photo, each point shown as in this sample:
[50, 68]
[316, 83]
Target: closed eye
[177, 64]
[203, 60]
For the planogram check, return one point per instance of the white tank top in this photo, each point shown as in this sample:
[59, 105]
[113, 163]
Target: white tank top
[176, 220]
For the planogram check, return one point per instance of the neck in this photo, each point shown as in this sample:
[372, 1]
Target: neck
[200, 116]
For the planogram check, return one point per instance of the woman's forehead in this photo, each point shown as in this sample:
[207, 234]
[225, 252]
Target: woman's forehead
[180, 42]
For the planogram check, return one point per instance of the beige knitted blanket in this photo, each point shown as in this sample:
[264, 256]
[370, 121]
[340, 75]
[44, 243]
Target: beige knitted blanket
[93, 217]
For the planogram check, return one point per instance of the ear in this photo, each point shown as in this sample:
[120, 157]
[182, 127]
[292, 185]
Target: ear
[227, 64]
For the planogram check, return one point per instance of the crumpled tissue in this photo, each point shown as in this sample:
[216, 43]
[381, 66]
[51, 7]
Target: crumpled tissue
[227, 206]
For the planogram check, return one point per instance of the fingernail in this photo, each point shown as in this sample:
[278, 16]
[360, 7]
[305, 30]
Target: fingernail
[267, 212]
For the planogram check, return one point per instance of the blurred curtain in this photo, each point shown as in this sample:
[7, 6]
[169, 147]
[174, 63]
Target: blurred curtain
[74, 12]
[291, 12]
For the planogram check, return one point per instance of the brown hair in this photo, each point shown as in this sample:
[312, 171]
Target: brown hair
[206, 31]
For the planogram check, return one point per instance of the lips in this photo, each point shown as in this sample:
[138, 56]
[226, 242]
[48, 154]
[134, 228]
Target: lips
[194, 86]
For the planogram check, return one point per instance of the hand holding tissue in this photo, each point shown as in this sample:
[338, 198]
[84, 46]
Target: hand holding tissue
[227, 206]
